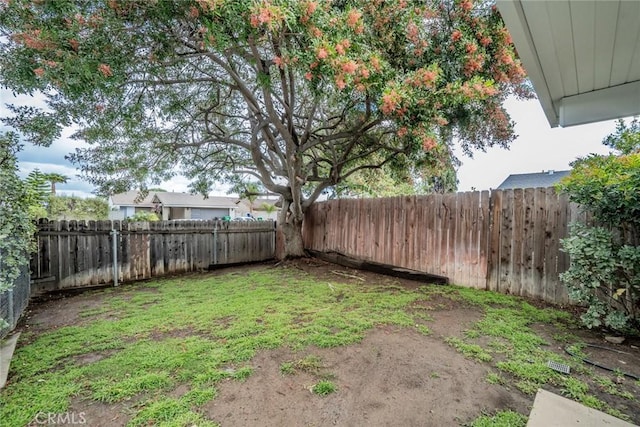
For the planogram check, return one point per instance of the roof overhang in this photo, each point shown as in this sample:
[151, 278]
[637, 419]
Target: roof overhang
[582, 56]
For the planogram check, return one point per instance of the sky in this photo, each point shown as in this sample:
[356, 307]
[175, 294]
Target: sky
[538, 147]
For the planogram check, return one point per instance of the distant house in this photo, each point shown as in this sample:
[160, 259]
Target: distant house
[193, 206]
[262, 207]
[169, 205]
[533, 180]
[124, 205]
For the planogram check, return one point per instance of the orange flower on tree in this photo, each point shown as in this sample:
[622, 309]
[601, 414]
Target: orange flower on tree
[390, 102]
[375, 63]
[466, 5]
[349, 67]
[266, 14]
[428, 142]
[322, 53]
[353, 18]
[316, 32]
[311, 7]
[105, 70]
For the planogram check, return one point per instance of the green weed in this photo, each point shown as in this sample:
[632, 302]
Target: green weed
[424, 330]
[472, 351]
[608, 386]
[494, 378]
[287, 368]
[324, 388]
[310, 364]
[500, 419]
[242, 373]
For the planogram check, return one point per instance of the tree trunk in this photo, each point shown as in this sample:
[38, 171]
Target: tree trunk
[290, 229]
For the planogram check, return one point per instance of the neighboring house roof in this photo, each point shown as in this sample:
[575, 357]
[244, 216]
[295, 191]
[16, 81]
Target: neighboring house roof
[169, 199]
[129, 199]
[583, 57]
[533, 180]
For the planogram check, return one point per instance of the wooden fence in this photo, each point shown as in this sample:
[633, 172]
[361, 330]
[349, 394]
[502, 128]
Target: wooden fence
[76, 254]
[504, 240]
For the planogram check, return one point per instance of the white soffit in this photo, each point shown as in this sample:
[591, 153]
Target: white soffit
[582, 56]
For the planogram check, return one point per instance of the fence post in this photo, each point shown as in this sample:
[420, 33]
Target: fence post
[114, 247]
[215, 243]
[12, 317]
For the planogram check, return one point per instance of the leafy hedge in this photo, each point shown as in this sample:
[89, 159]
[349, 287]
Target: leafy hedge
[605, 257]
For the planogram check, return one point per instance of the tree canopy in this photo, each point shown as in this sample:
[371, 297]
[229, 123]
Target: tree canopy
[299, 95]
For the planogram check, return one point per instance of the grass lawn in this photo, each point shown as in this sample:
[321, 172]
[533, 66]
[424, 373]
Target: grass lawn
[141, 342]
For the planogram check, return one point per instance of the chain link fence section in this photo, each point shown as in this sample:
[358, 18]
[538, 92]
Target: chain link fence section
[14, 301]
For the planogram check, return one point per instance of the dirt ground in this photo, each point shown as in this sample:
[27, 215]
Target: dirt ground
[395, 376]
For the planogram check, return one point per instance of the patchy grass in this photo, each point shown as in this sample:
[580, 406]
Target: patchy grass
[472, 351]
[196, 330]
[142, 342]
[521, 355]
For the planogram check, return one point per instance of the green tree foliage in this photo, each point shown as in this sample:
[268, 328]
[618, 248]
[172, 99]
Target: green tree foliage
[55, 178]
[299, 95]
[77, 208]
[36, 194]
[605, 259]
[16, 225]
[143, 216]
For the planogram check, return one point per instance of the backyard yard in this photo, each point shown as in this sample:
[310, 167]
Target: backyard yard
[304, 343]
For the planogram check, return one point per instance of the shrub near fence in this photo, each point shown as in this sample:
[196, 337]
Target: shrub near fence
[76, 254]
[13, 301]
[503, 240]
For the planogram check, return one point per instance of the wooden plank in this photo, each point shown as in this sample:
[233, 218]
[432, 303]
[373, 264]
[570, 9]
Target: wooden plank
[376, 267]
[517, 243]
[563, 232]
[493, 266]
[411, 261]
[473, 238]
[550, 279]
[484, 251]
[458, 243]
[537, 290]
[527, 271]
[506, 243]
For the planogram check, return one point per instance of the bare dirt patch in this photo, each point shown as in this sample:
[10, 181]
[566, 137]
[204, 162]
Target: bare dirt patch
[393, 377]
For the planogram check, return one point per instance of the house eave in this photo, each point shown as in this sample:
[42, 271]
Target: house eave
[581, 56]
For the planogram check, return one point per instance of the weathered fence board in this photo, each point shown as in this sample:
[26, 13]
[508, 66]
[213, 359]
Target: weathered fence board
[79, 254]
[504, 240]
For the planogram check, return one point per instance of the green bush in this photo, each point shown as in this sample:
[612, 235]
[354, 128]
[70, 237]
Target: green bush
[144, 216]
[605, 257]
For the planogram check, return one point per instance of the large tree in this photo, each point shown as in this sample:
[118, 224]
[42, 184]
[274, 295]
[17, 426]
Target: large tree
[297, 94]
[55, 178]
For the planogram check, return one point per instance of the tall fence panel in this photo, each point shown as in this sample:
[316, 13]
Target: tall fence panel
[439, 234]
[503, 240]
[77, 254]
